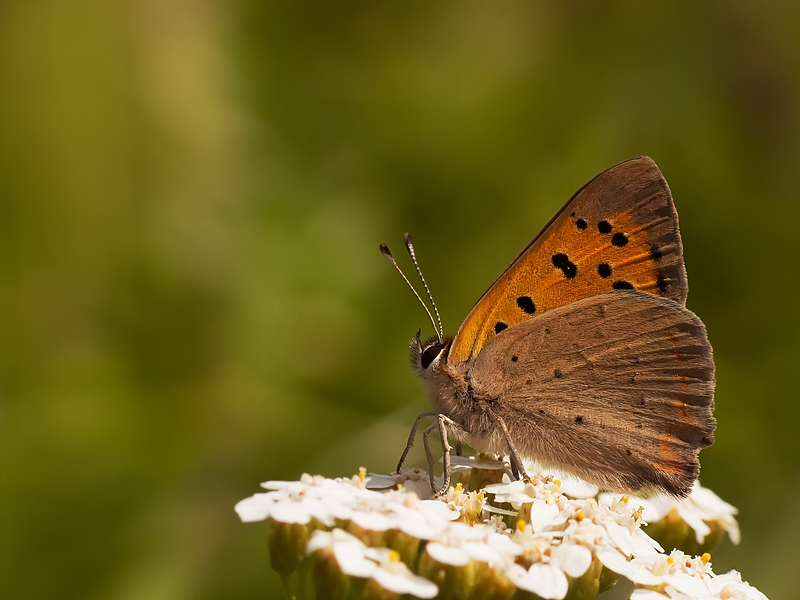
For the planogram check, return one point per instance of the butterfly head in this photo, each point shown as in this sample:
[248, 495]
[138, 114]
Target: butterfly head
[428, 355]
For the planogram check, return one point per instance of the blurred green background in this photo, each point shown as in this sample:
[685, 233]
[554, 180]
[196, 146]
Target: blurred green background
[193, 301]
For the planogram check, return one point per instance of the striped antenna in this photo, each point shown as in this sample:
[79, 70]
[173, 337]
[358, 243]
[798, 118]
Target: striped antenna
[410, 248]
[388, 256]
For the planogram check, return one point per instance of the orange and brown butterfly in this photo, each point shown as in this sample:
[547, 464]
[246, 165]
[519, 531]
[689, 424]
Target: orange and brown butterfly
[582, 355]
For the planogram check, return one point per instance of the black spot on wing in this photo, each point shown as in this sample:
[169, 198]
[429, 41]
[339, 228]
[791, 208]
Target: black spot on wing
[619, 239]
[562, 261]
[579, 420]
[604, 270]
[604, 227]
[622, 285]
[581, 224]
[500, 326]
[526, 303]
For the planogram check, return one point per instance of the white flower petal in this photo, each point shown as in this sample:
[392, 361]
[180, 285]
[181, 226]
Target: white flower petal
[504, 544]
[414, 523]
[466, 533]
[377, 554]
[709, 503]
[614, 561]
[319, 539]
[338, 510]
[374, 481]
[290, 512]
[254, 508]
[674, 594]
[434, 510]
[645, 545]
[420, 529]
[575, 487]
[642, 594]
[447, 555]
[500, 511]
[505, 489]
[637, 543]
[320, 511]
[461, 464]
[695, 521]
[352, 561]
[543, 514]
[545, 581]
[373, 521]
[482, 552]
[422, 489]
[693, 587]
[573, 559]
[731, 578]
[621, 537]
[730, 585]
[405, 582]
[279, 485]
[516, 573]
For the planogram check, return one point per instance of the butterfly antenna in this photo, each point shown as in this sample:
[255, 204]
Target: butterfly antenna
[388, 256]
[410, 248]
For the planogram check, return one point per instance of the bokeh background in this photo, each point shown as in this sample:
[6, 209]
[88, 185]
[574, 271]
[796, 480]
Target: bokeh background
[193, 301]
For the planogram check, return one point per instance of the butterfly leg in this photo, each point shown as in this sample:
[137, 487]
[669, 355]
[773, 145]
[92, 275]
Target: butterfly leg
[442, 422]
[446, 469]
[516, 464]
[429, 454]
[411, 436]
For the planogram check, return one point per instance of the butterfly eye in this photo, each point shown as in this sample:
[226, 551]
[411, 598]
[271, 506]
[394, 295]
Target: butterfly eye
[430, 353]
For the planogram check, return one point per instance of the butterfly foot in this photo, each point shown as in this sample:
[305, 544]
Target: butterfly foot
[442, 493]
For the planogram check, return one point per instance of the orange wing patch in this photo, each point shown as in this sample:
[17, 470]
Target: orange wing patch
[620, 231]
[576, 259]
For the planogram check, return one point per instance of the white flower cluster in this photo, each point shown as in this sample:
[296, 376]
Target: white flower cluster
[507, 536]
[332, 501]
[681, 577]
[703, 511]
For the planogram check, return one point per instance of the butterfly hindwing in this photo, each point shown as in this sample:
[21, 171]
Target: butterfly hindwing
[620, 231]
[616, 388]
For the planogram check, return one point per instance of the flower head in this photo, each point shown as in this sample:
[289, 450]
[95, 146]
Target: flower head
[380, 535]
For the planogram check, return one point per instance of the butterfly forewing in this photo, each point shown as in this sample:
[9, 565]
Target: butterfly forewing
[620, 231]
[616, 388]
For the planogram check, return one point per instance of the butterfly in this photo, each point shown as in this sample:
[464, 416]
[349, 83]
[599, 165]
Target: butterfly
[582, 354]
